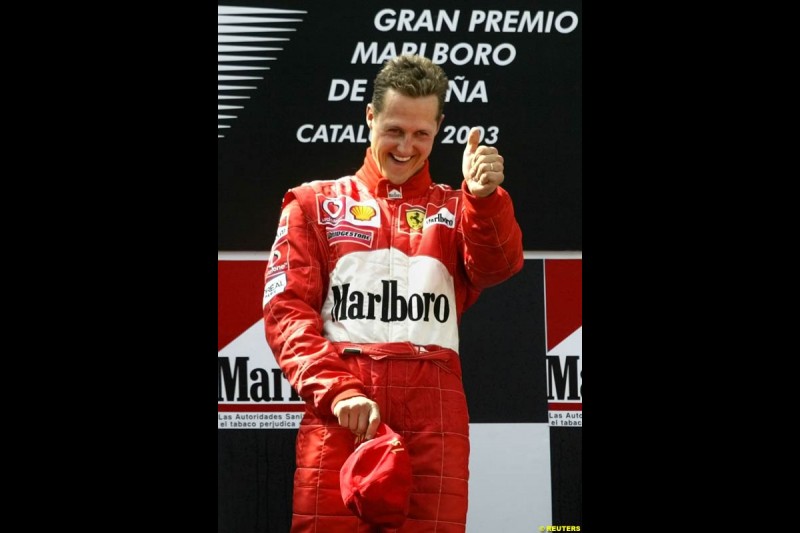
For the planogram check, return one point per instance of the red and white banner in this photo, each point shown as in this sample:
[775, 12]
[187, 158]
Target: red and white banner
[252, 392]
[564, 334]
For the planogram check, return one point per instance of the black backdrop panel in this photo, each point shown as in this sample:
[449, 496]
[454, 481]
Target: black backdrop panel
[530, 91]
[254, 480]
[566, 459]
[502, 348]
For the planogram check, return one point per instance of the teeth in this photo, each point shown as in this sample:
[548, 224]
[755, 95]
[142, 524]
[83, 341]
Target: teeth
[402, 159]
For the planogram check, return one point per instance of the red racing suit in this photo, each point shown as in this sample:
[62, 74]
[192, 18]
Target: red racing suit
[363, 294]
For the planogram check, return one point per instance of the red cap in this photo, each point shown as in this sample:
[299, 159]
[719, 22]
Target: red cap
[376, 479]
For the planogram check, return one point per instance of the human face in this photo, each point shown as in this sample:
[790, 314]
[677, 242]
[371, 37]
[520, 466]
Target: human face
[402, 134]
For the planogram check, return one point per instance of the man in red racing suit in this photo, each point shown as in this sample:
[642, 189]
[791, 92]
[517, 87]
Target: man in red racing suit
[366, 283]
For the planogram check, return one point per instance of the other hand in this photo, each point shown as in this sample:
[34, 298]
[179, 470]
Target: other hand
[360, 415]
[482, 166]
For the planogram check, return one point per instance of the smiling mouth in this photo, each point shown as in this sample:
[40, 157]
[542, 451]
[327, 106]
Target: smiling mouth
[401, 159]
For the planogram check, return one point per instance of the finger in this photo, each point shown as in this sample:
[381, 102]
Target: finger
[363, 421]
[482, 169]
[479, 165]
[374, 422]
[492, 164]
[472, 141]
[353, 422]
[344, 418]
[485, 154]
[347, 418]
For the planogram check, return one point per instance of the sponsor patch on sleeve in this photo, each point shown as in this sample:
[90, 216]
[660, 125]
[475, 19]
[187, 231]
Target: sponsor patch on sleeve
[283, 230]
[274, 285]
[278, 258]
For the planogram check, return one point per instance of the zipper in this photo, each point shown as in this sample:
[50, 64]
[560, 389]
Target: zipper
[392, 220]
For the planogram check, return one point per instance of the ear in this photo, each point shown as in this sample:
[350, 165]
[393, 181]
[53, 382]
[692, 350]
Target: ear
[439, 125]
[370, 115]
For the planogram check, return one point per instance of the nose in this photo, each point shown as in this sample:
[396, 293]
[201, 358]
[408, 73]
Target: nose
[404, 144]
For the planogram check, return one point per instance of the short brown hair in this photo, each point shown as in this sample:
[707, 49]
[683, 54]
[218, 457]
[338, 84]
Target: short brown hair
[410, 75]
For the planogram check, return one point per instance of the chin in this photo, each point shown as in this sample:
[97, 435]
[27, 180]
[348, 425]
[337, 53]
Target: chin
[395, 180]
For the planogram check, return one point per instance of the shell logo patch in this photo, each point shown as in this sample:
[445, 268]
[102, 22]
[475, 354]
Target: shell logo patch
[363, 212]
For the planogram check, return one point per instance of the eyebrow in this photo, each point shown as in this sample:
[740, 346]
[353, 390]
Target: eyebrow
[394, 126]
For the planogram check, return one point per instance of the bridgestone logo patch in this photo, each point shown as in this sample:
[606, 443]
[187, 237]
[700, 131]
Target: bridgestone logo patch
[357, 236]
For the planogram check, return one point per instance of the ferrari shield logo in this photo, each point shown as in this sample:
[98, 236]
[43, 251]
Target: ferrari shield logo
[415, 216]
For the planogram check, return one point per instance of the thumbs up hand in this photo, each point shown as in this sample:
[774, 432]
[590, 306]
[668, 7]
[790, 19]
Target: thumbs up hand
[482, 166]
